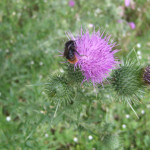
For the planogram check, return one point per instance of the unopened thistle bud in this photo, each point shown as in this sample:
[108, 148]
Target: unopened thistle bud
[146, 75]
[127, 81]
[59, 90]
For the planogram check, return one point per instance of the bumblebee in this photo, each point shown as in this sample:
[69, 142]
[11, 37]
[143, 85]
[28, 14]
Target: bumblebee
[69, 52]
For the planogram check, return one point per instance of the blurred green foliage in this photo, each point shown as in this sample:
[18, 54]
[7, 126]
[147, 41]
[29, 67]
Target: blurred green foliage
[31, 32]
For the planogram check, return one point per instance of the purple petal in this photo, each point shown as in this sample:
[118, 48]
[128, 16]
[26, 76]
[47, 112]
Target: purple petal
[119, 21]
[127, 3]
[132, 25]
[71, 3]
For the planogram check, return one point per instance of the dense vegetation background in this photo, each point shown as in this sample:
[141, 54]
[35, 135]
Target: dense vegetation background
[31, 32]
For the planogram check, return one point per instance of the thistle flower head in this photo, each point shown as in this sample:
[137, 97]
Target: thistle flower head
[127, 3]
[71, 3]
[95, 55]
[146, 75]
[132, 25]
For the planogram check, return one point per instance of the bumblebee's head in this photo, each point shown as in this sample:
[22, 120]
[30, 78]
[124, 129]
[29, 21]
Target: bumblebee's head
[70, 44]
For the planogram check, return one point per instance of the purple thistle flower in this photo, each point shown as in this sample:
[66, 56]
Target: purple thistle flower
[132, 25]
[95, 55]
[119, 21]
[127, 3]
[146, 75]
[71, 3]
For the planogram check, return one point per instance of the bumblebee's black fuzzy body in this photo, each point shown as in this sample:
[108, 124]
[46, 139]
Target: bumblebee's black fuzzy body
[69, 52]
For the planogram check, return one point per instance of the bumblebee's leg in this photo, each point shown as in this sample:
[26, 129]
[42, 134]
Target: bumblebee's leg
[78, 53]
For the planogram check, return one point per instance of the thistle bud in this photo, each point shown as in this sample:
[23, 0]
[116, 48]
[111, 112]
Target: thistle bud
[146, 75]
[127, 81]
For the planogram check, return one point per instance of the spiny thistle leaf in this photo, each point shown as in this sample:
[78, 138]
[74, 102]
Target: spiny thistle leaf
[106, 127]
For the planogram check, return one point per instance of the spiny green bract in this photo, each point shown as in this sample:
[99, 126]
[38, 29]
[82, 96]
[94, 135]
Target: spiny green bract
[127, 80]
[59, 90]
[111, 142]
[73, 75]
